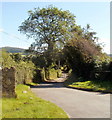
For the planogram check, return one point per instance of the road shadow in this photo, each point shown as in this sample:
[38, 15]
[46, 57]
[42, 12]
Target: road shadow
[49, 85]
[61, 85]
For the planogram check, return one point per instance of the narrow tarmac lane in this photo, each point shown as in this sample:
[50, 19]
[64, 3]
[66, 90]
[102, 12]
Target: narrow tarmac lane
[76, 103]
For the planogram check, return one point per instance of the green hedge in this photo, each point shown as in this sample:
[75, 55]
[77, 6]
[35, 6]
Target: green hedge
[59, 73]
[52, 73]
[24, 70]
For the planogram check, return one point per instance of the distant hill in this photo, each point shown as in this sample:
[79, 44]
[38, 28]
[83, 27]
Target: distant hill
[110, 55]
[13, 50]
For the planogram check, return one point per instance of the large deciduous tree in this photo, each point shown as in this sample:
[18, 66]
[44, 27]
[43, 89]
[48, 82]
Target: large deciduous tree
[48, 26]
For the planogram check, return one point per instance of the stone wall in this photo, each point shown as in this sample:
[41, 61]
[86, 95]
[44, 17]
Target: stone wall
[8, 82]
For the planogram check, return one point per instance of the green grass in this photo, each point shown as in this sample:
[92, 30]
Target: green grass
[27, 105]
[94, 85]
[0, 109]
[32, 84]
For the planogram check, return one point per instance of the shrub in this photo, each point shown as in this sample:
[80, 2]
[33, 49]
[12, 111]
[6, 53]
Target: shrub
[24, 70]
[86, 60]
[52, 74]
[17, 57]
[59, 73]
[101, 66]
[80, 56]
[43, 74]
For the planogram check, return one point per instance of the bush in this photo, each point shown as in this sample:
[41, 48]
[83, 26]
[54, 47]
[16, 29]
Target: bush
[24, 70]
[43, 74]
[51, 73]
[80, 56]
[16, 57]
[59, 73]
[101, 66]
[86, 60]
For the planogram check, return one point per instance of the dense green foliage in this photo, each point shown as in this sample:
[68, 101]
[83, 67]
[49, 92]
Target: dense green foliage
[24, 70]
[27, 105]
[48, 26]
[28, 71]
[59, 42]
[85, 57]
[51, 28]
[52, 73]
[49, 71]
[16, 57]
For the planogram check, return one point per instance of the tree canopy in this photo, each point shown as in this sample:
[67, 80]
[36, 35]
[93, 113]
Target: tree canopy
[48, 26]
[54, 28]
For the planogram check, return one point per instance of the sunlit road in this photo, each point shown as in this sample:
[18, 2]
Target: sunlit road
[77, 103]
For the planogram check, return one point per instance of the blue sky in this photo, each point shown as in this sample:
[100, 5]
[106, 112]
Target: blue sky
[97, 14]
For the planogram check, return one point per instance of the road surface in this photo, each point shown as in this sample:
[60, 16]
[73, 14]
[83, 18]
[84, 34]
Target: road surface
[76, 103]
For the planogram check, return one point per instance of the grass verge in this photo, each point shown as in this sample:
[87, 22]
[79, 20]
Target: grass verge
[27, 105]
[78, 83]
[104, 86]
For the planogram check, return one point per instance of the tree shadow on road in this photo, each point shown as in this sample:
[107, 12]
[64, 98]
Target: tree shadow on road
[49, 85]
